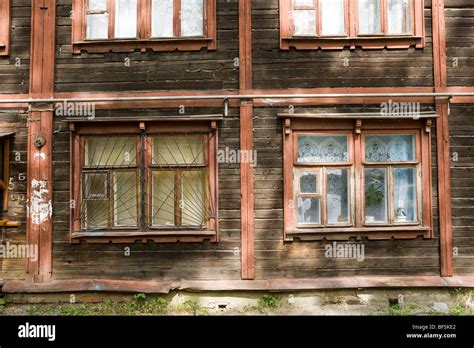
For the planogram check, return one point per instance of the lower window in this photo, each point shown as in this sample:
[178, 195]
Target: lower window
[150, 183]
[365, 180]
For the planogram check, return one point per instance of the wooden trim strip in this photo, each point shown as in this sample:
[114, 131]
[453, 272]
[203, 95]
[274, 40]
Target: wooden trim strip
[164, 287]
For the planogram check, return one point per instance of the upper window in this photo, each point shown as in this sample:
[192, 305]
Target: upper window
[158, 183]
[375, 179]
[4, 27]
[123, 25]
[338, 23]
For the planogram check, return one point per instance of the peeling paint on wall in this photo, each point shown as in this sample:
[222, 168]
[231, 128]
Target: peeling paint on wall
[39, 208]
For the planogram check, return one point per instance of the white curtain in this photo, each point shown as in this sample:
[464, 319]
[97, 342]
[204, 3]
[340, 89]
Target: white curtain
[398, 16]
[162, 18]
[369, 17]
[192, 18]
[97, 20]
[126, 19]
[332, 16]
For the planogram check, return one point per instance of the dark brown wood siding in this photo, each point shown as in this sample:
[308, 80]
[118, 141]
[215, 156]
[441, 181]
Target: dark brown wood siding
[274, 68]
[14, 268]
[460, 42]
[462, 181]
[151, 70]
[14, 69]
[150, 261]
[278, 259]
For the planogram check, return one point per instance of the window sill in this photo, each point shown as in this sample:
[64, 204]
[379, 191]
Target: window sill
[157, 45]
[338, 43]
[344, 233]
[162, 236]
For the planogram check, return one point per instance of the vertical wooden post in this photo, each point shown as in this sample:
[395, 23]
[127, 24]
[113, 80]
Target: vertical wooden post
[442, 135]
[40, 139]
[246, 140]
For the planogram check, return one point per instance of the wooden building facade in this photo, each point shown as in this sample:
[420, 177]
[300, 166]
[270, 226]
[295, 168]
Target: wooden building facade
[228, 145]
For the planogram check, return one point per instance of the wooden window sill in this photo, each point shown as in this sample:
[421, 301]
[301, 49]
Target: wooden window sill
[365, 42]
[158, 236]
[344, 233]
[157, 45]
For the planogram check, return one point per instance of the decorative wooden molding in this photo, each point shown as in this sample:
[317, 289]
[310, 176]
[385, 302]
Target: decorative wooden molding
[5, 21]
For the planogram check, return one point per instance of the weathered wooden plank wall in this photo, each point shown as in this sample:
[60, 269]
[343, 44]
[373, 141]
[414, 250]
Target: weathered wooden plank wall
[14, 69]
[149, 71]
[274, 68]
[150, 261]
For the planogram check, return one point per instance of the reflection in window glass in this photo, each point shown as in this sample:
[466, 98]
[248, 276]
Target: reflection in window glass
[337, 196]
[193, 182]
[163, 198]
[125, 199]
[119, 151]
[375, 195]
[309, 210]
[404, 181]
[369, 17]
[178, 150]
[308, 182]
[332, 17]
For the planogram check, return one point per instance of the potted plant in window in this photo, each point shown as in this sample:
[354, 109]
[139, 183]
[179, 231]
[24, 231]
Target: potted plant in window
[373, 199]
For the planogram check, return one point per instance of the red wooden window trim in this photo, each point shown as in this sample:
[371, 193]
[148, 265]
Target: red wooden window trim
[79, 132]
[352, 39]
[5, 27]
[143, 41]
[357, 130]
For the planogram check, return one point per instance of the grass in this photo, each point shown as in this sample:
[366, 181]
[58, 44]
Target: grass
[2, 305]
[397, 310]
[268, 302]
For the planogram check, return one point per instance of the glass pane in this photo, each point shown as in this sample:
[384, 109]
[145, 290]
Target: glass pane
[338, 195]
[404, 181]
[96, 214]
[304, 22]
[309, 211]
[194, 189]
[120, 151]
[97, 26]
[2, 150]
[332, 17]
[178, 150]
[322, 148]
[162, 18]
[163, 198]
[97, 5]
[308, 182]
[126, 18]
[125, 199]
[369, 17]
[192, 18]
[375, 195]
[390, 148]
[303, 3]
[96, 186]
[398, 16]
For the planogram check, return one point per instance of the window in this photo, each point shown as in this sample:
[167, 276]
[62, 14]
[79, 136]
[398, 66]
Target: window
[334, 24]
[158, 183]
[161, 25]
[344, 178]
[4, 27]
[4, 174]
